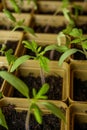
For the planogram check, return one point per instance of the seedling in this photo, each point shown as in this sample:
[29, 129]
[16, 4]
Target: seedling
[17, 24]
[39, 55]
[33, 103]
[73, 36]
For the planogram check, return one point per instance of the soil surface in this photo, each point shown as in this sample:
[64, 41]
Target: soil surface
[79, 56]
[83, 27]
[80, 90]
[55, 83]
[48, 29]
[16, 120]
[79, 125]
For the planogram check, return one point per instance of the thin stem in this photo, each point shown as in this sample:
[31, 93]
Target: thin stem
[28, 116]
[42, 76]
[51, 55]
[27, 120]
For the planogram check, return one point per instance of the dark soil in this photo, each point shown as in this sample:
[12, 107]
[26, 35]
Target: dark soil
[79, 56]
[48, 29]
[79, 90]
[80, 12]
[5, 27]
[55, 83]
[9, 45]
[79, 125]
[16, 120]
[83, 27]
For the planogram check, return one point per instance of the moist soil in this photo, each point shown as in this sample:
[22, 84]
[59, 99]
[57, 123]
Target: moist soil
[55, 83]
[9, 45]
[79, 125]
[83, 27]
[56, 30]
[79, 90]
[16, 120]
[48, 29]
[79, 56]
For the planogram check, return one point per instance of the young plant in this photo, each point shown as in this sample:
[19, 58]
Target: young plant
[76, 37]
[33, 103]
[17, 24]
[39, 55]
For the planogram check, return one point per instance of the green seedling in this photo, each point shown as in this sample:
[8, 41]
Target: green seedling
[33, 103]
[76, 37]
[39, 55]
[17, 24]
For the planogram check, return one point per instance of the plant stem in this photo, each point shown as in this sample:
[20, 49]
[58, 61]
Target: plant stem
[42, 76]
[51, 55]
[27, 120]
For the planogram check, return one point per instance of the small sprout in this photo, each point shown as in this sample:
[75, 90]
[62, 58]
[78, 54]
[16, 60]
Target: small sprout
[9, 15]
[23, 89]
[18, 24]
[73, 36]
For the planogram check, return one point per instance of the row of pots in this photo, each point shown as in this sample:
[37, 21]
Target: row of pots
[67, 71]
[75, 108]
[44, 7]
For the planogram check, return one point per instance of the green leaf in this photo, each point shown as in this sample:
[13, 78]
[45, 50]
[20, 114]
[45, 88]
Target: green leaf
[25, 28]
[30, 45]
[9, 15]
[84, 44]
[44, 97]
[34, 92]
[65, 3]
[28, 29]
[1, 94]
[59, 38]
[78, 40]
[61, 48]
[15, 6]
[76, 32]
[83, 38]
[19, 61]
[43, 90]
[15, 82]
[39, 49]
[44, 63]
[37, 113]
[66, 54]
[55, 110]
[20, 22]
[10, 57]
[50, 47]
[2, 120]
[68, 29]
